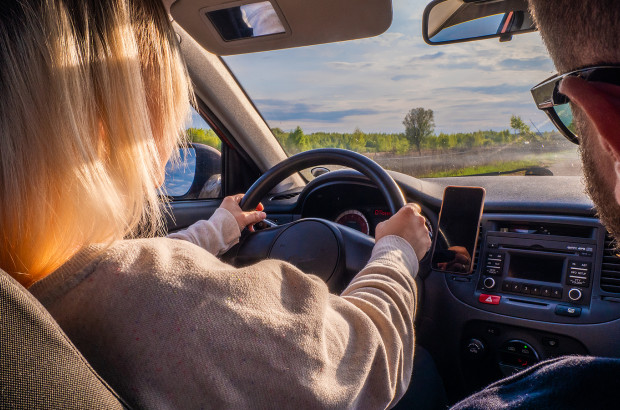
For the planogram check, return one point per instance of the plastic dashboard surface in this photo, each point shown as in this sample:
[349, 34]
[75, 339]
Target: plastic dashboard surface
[450, 315]
[554, 287]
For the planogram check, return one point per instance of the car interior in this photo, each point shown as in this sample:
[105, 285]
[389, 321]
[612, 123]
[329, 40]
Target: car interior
[545, 278]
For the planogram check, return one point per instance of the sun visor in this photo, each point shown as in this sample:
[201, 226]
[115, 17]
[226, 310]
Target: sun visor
[240, 27]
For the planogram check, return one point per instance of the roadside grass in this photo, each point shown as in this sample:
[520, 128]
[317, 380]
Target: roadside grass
[484, 169]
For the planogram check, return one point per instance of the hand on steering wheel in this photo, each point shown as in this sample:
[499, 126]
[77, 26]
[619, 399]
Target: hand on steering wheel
[410, 225]
[244, 219]
[331, 251]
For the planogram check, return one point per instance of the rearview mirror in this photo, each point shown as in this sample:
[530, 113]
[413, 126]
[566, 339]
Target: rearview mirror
[455, 21]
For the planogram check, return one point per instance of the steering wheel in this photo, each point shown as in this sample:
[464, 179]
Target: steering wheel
[331, 251]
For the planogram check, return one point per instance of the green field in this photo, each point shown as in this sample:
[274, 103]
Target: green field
[498, 167]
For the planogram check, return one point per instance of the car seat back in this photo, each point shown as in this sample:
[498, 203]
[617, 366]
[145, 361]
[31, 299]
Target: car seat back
[39, 366]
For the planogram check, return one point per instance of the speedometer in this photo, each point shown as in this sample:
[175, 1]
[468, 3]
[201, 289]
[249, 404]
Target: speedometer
[354, 219]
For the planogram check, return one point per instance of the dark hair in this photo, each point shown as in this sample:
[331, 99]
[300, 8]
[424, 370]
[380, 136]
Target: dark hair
[579, 33]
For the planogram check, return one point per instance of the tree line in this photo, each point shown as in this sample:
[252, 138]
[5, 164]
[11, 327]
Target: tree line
[401, 143]
[419, 135]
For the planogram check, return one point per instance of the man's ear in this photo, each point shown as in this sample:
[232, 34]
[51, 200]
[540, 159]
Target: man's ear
[601, 103]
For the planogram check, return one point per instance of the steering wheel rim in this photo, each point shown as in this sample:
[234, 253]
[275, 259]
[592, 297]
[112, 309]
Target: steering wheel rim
[325, 156]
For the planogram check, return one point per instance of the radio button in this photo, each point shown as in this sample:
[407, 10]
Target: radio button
[546, 291]
[527, 289]
[567, 311]
[535, 290]
[578, 281]
[582, 266]
[493, 270]
[574, 294]
[489, 283]
[496, 264]
[516, 287]
[507, 286]
[577, 272]
[556, 293]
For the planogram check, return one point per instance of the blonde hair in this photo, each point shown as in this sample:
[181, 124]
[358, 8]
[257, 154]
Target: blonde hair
[93, 98]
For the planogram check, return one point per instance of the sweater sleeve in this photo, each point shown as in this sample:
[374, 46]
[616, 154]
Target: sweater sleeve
[216, 235]
[168, 325]
[383, 295]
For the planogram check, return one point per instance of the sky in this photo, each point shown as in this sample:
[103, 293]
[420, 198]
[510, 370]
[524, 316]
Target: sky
[372, 83]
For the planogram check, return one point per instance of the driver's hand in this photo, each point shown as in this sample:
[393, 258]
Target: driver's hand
[409, 224]
[231, 204]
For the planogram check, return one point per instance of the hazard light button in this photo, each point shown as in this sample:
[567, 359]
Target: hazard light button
[489, 299]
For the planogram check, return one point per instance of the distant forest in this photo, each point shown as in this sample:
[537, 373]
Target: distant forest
[297, 141]
[391, 143]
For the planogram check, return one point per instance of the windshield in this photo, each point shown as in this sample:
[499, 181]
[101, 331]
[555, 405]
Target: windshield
[453, 110]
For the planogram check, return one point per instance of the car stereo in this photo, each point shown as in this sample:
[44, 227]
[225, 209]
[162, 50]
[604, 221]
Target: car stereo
[537, 268]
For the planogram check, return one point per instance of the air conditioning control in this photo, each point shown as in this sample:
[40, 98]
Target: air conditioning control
[516, 355]
[489, 283]
[574, 294]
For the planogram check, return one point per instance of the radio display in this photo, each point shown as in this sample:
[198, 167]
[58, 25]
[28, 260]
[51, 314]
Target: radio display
[545, 268]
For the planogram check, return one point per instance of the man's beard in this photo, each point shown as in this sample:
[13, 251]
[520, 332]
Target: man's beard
[600, 191]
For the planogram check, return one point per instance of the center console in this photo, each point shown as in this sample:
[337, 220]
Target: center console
[534, 276]
[543, 268]
[517, 264]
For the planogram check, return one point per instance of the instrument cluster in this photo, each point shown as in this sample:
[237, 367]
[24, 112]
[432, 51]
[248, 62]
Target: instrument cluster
[363, 219]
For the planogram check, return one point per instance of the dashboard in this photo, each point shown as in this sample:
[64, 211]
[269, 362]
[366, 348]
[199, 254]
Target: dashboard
[358, 206]
[546, 280]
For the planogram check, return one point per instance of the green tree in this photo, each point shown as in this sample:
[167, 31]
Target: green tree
[419, 124]
[523, 129]
[282, 138]
[202, 136]
[299, 139]
[517, 124]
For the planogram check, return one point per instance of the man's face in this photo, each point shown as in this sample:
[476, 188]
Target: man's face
[578, 35]
[598, 168]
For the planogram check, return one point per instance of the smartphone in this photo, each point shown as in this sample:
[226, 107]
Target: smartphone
[459, 223]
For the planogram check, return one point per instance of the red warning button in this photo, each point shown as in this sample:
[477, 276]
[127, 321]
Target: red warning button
[489, 299]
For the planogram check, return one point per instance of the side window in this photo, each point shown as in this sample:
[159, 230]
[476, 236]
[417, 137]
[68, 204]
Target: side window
[199, 173]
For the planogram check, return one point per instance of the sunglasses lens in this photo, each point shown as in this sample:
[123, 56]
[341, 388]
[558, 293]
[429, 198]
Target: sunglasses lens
[565, 114]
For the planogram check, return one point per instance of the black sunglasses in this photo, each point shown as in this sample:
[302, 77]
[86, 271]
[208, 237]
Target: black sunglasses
[556, 105]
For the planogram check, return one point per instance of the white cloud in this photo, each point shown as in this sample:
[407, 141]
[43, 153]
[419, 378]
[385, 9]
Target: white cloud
[470, 86]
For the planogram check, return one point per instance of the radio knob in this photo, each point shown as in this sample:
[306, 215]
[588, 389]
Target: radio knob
[489, 283]
[574, 294]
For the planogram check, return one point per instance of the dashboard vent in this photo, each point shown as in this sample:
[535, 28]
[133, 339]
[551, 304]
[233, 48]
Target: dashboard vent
[610, 271]
[477, 251]
[285, 196]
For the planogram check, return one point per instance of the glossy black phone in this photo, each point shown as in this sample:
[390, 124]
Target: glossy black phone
[459, 223]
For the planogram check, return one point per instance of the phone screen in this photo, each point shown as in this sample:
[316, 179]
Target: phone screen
[459, 222]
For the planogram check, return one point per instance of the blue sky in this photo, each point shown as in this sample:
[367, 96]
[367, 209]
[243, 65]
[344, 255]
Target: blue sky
[372, 83]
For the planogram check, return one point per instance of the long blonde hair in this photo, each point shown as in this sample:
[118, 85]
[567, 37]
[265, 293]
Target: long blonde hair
[93, 98]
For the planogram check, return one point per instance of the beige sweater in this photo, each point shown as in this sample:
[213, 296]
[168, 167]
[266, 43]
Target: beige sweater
[168, 325]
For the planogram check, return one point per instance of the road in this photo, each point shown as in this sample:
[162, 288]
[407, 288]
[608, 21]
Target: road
[560, 159]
